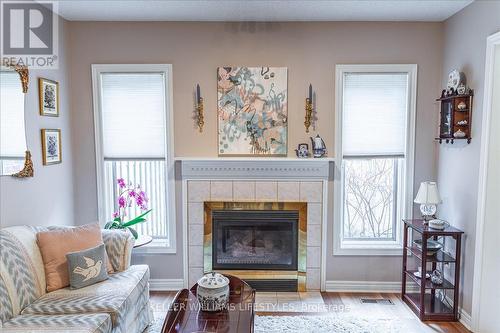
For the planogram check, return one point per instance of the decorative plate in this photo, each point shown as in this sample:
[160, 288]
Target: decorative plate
[455, 78]
[432, 246]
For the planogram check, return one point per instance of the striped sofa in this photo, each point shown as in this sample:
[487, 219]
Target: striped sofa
[119, 304]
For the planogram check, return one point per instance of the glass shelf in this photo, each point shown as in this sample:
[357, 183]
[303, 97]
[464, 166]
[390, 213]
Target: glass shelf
[428, 283]
[439, 256]
[434, 307]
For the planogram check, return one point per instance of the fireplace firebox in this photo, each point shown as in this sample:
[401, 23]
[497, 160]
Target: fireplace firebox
[255, 240]
[263, 243]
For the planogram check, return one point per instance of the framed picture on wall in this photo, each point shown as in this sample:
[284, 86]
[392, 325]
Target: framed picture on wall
[49, 97]
[252, 109]
[51, 146]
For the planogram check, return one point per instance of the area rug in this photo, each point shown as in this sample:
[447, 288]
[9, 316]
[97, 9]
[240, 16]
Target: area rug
[326, 324]
[331, 323]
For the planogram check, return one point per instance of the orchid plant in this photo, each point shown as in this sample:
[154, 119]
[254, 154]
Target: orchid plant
[129, 195]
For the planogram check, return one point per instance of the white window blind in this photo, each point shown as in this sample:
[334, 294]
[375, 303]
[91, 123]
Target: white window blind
[133, 115]
[374, 114]
[12, 134]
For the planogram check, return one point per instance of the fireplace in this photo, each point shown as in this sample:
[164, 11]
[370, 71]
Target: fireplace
[255, 239]
[263, 243]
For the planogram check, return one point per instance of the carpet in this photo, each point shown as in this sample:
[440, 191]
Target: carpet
[330, 323]
[337, 323]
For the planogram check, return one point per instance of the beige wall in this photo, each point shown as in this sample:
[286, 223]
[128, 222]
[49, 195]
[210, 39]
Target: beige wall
[309, 50]
[47, 198]
[465, 36]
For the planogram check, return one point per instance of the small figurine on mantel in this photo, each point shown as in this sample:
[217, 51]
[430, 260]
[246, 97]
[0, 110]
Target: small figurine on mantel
[302, 150]
[318, 147]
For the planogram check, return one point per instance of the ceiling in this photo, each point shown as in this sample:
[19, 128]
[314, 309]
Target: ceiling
[260, 10]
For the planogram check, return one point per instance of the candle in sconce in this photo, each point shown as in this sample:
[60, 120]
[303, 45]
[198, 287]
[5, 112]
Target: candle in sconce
[198, 93]
[310, 92]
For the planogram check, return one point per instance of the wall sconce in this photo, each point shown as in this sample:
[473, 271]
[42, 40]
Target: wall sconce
[309, 109]
[199, 109]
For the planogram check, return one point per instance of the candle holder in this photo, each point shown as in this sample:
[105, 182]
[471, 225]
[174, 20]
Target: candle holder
[199, 114]
[309, 111]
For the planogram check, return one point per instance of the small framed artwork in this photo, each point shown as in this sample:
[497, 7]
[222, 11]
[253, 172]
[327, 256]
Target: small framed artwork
[51, 146]
[49, 97]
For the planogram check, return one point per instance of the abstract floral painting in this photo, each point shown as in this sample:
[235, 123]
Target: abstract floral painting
[252, 110]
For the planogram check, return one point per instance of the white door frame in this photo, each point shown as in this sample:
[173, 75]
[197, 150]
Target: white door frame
[491, 44]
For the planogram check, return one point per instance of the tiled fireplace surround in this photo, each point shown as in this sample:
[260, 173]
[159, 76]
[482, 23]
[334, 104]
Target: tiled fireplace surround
[277, 180]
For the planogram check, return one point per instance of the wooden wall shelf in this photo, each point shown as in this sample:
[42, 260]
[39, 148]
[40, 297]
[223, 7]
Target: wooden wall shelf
[455, 118]
[452, 140]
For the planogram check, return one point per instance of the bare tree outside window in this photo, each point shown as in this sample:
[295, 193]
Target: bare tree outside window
[370, 198]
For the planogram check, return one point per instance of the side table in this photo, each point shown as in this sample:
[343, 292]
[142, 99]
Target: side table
[429, 303]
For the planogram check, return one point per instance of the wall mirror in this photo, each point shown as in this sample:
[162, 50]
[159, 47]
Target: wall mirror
[15, 159]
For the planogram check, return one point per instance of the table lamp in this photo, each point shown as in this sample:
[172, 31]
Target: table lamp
[428, 197]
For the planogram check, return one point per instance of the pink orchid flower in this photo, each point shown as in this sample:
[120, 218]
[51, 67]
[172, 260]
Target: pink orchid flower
[121, 202]
[121, 182]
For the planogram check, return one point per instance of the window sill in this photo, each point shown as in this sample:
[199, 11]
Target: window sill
[357, 249]
[155, 247]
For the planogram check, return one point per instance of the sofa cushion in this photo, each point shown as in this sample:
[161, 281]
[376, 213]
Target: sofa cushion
[84, 323]
[22, 279]
[55, 244]
[87, 267]
[122, 292]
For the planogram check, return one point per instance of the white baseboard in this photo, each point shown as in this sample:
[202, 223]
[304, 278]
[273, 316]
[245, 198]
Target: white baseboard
[364, 286]
[464, 317]
[166, 284]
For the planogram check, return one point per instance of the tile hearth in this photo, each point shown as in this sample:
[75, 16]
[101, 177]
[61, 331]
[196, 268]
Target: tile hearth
[311, 301]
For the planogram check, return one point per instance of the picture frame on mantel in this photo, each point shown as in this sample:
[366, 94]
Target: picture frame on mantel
[48, 91]
[252, 111]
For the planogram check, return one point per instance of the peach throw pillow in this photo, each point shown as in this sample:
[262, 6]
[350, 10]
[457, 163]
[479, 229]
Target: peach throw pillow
[55, 244]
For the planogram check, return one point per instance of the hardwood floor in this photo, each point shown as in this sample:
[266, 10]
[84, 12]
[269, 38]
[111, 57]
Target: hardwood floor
[348, 302]
[399, 310]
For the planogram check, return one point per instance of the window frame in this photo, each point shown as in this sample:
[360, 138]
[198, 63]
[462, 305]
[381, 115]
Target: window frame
[342, 247]
[166, 70]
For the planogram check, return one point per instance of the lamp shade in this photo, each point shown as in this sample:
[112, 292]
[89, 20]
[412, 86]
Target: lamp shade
[428, 194]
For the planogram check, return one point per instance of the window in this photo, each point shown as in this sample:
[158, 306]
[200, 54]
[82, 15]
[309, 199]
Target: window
[375, 139]
[12, 133]
[133, 125]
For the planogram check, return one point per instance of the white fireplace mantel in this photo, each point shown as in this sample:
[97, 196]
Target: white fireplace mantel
[255, 179]
[256, 168]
